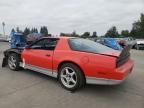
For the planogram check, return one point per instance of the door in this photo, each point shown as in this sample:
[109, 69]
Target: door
[40, 54]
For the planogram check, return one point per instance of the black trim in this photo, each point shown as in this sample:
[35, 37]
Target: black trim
[124, 56]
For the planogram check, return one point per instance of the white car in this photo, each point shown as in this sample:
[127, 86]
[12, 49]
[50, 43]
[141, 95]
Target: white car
[140, 43]
[5, 38]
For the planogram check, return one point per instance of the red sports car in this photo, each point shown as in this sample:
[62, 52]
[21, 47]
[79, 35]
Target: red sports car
[74, 61]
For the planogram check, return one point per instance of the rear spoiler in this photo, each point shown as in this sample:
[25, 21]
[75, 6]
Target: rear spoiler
[124, 55]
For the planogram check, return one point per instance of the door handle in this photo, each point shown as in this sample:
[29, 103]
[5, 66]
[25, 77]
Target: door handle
[48, 55]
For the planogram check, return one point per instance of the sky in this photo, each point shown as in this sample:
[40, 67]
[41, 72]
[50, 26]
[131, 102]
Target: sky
[70, 15]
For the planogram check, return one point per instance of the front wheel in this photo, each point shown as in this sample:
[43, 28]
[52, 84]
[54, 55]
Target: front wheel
[13, 61]
[71, 77]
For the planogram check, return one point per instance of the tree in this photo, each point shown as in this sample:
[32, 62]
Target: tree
[125, 33]
[74, 34]
[34, 30]
[138, 28]
[62, 34]
[86, 35]
[18, 30]
[26, 31]
[44, 31]
[94, 34]
[112, 32]
[13, 30]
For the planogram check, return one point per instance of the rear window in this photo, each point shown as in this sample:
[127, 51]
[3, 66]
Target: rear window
[85, 45]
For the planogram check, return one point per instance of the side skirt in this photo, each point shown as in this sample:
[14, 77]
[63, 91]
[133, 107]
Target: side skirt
[49, 72]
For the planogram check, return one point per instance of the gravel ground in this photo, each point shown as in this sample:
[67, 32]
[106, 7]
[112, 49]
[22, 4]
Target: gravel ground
[28, 89]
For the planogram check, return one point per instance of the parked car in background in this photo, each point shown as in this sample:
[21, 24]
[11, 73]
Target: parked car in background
[110, 42]
[139, 43]
[4, 38]
[127, 41]
[131, 41]
[17, 40]
[73, 61]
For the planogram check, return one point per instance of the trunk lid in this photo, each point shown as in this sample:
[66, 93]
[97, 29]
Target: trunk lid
[112, 53]
[122, 56]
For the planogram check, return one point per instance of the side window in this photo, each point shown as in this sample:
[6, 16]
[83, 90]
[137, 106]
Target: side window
[38, 44]
[45, 44]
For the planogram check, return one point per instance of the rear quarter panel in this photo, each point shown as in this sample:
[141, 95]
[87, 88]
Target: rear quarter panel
[93, 65]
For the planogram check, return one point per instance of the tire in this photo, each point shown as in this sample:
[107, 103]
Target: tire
[72, 79]
[13, 61]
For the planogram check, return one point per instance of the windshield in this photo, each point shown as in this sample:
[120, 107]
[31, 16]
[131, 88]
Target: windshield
[85, 45]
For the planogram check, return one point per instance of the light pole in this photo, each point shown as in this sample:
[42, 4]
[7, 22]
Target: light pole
[3, 24]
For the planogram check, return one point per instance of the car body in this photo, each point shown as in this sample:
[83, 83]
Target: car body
[139, 43]
[110, 42]
[126, 41]
[4, 38]
[79, 60]
[131, 41]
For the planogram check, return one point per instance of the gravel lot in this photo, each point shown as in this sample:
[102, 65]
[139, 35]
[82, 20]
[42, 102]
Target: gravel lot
[28, 89]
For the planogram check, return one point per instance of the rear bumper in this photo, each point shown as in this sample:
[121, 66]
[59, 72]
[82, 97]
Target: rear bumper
[102, 81]
[116, 77]
[123, 71]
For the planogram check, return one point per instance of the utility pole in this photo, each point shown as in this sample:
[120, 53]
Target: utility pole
[3, 24]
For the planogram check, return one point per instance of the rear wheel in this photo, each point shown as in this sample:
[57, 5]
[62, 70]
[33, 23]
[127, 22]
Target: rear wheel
[13, 61]
[71, 77]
